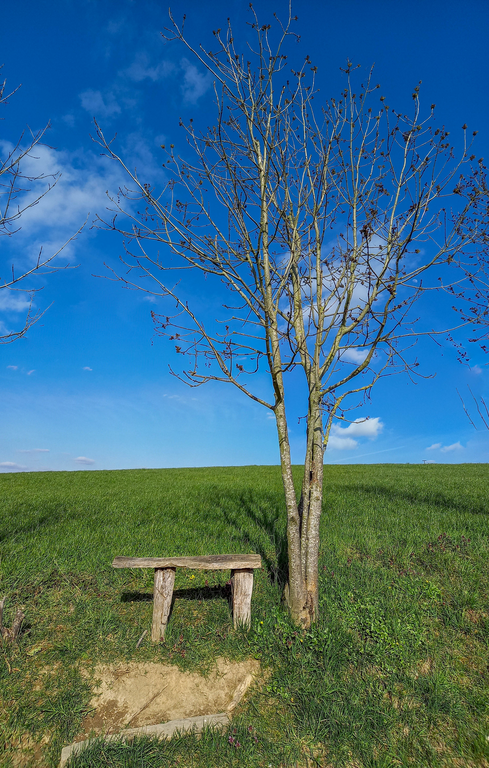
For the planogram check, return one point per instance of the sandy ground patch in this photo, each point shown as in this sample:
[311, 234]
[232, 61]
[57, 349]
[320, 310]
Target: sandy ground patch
[137, 694]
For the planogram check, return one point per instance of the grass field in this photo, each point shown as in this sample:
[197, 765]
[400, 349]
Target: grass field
[395, 673]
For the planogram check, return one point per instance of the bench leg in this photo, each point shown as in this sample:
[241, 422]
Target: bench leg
[241, 589]
[162, 595]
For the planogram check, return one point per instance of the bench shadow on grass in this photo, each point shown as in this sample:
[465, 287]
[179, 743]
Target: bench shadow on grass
[218, 592]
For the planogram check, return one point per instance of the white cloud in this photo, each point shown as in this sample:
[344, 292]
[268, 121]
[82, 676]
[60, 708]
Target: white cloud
[195, 84]
[433, 447]
[354, 355]
[453, 447]
[341, 443]
[476, 369]
[84, 460]
[429, 461]
[13, 367]
[360, 428]
[342, 438]
[11, 466]
[29, 373]
[98, 105]
[33, 450]
[87, 368]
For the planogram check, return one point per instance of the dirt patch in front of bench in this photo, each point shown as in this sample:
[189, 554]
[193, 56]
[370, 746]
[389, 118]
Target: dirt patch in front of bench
[136, 694]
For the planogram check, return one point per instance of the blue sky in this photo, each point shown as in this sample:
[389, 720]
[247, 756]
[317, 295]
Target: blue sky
[89, 387]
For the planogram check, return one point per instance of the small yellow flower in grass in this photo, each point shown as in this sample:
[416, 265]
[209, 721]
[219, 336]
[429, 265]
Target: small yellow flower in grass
[261, 622]
[192, 576]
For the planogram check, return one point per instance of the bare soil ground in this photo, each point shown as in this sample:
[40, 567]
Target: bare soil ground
[137, 694]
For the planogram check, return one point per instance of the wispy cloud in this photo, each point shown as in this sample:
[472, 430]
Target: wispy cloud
[69, 119]
[445, 448]
[98, 105]
[29, 373]
[11, 466]
[83, 178]
[13, 367]
[195, 84]
[370, 453]
[84, 460]
[13, 302]
[453, 447]
[140, 69]
[87, 368]
[33, 450]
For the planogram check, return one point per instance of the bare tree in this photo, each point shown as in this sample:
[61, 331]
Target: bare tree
[14, 202]
[320, 224]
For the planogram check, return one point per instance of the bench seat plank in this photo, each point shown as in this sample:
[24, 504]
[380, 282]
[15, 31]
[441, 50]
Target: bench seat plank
[202, 562]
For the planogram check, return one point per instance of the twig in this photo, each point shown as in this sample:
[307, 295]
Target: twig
[141, 638]
[147, 704]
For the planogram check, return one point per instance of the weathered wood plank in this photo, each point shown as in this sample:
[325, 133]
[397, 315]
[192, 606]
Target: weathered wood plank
[162, 596]
[241, 588]
[202, 562]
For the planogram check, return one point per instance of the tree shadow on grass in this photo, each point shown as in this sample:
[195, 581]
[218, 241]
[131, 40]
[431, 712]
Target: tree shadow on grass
[13, 528]
[436, 498]
[259, 519]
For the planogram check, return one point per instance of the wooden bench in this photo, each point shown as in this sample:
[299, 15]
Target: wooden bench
[241, 567]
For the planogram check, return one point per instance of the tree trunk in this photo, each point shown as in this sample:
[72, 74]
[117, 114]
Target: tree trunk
[301, 592]
[310, 506]
[303, 519]
[295, 592]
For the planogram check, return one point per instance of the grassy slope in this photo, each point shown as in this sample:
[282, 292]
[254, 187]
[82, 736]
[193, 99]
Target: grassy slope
[394, 673]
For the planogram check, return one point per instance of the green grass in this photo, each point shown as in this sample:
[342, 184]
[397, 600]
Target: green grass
[395, 672]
